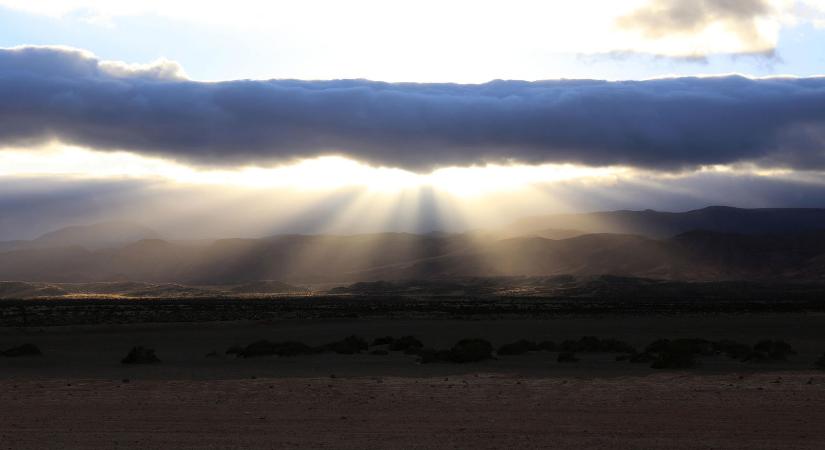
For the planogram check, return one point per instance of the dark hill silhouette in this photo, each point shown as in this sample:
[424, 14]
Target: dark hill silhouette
[92, 237]
[699, 255]
[306, 259]
[659, 224]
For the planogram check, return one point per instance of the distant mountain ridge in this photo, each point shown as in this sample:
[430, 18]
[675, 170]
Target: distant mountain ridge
[657, 224]
[766, 246]
[693, 256]
[95, 236]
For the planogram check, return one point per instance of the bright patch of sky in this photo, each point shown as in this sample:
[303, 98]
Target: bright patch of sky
[426, 41]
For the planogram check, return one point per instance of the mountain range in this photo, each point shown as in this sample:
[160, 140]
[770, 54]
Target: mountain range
[715, 243]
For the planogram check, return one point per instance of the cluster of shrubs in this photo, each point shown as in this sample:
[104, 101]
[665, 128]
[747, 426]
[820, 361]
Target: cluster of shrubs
[592, 344]
[820, 363]
[660, 354]
[683, 353]
[22, 350]
[407, 344]
[523, 346]
[464, 351]
[347, 346]
[140, 355]
[567, 349]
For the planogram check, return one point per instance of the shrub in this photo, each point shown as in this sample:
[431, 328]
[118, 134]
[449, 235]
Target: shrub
[677, 353]
[592, 344]
[464, 351]
[566, 357]
[820, 363]
[731, 349]
[293, 348]
[234, 350]
[379, 352]
[405, 344]
[22, 350]
[674, 359]
[517, 348]
[768, 350]
[682, 345]
[641, 358]
[386, 340]
[347, 346]
[431, 355]
[547, 346]
[140, 355]
[267, 348]
[471, 350]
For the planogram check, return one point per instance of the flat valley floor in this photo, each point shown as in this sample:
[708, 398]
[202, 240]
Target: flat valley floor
[78, 395]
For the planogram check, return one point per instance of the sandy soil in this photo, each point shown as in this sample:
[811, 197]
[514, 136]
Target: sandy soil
[78, 395]
[664, 410]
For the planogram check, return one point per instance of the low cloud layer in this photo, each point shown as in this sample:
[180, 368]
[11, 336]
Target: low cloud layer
[54, 93]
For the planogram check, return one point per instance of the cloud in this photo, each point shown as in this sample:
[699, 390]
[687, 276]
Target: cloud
[68, 95]
[664, 17]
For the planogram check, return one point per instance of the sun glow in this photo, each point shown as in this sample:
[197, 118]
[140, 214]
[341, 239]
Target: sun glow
[318, 174]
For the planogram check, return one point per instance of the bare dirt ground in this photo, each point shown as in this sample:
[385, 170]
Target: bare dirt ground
[662, 410]
[79, 395]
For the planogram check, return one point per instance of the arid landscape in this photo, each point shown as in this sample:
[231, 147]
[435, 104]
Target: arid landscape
[717, 358]
[371, 224]
[79, 394]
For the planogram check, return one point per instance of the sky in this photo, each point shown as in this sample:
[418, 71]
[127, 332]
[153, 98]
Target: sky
[250, 118]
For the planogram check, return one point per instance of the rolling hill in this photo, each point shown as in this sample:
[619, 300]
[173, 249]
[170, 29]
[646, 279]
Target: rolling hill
[761, 246]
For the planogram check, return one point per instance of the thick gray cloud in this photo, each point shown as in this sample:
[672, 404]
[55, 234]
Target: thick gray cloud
[668, 123]
[667, 17]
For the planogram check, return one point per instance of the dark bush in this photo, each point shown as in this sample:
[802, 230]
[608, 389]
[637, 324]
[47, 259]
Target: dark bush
[267, 348]
[471, 350]
[293, 348]
[641, 358]
[820, 363]
[731, 349]
[566, 357]
[406, 343]
[547, 346]
[386, 340]
[677, 353]
[22, 350]
[518, 348]
[140, 355]
[431, 355]
[234, 350]
[682, 345]
[464, 351]
[258, 348]
[347, 346]
[674, 360]
[592, 344]
[768, 350]
[379, 352]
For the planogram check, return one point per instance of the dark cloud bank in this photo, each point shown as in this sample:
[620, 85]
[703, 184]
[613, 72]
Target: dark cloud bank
[663, 124]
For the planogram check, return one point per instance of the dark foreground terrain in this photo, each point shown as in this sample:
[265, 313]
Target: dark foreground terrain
[672, 411]
[78, 394]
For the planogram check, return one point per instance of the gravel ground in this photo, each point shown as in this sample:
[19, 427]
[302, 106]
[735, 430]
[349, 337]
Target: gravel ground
[663, 410]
